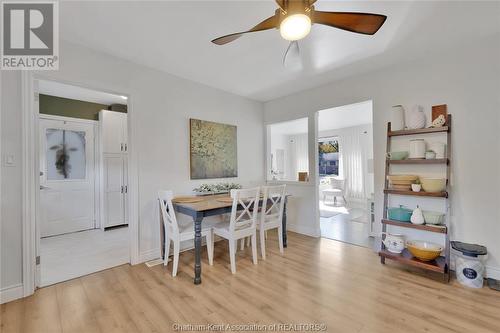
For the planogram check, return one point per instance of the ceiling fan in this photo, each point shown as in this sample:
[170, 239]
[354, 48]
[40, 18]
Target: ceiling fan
[294, 19]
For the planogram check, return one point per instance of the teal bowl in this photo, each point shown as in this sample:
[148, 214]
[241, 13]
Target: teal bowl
[399, 214]
[397, 155]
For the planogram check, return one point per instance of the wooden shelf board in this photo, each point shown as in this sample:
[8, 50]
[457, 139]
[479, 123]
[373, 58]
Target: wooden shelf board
[438, 265]
[420, 161]
[426, 227]
[418, 194]
[419, 131]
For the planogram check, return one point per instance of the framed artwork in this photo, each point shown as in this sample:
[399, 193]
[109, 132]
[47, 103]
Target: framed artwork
[213, 150]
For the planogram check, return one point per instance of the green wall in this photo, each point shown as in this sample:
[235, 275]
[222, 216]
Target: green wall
[58, 106]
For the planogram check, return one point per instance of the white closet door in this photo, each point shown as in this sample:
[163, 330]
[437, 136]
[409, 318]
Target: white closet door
[112, 131]
[125, 184]
[124, 131]
[113, 190]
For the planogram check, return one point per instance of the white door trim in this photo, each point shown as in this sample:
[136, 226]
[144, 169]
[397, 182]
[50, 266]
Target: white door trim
[63, 118]
[31, 181]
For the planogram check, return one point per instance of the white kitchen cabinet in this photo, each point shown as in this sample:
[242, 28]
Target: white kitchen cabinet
[114, 189]
[113, 131]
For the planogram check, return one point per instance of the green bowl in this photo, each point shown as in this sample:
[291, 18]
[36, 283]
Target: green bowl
[397, 155]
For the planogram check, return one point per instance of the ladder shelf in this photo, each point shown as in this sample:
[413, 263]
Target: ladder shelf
[441, 264]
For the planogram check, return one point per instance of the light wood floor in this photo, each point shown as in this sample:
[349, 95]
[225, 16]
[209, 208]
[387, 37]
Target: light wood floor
[316, 281]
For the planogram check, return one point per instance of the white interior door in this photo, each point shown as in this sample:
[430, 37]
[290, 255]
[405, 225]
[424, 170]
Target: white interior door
[113, 177]
[67, 178]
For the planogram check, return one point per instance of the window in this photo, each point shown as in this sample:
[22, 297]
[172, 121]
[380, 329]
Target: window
[65, 154]
[288, 151]
[328, 152]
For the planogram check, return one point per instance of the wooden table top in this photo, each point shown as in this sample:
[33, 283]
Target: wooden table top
[209, 202]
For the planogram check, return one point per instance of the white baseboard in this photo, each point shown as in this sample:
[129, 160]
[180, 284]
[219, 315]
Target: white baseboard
[11, 293]
[308, 231]
[149, 255]
[493, 272]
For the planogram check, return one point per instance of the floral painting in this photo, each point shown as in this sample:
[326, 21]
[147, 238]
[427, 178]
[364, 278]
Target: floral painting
[213, 150]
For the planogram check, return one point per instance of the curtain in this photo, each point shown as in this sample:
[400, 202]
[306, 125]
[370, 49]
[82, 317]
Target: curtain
[351, 162]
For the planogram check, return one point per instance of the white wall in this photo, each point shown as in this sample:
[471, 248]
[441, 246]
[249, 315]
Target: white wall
[161, 107]
[10, 220]
[468, 80]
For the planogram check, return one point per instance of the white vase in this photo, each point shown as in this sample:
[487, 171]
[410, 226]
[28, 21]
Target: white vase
[416, 187]
[417, 217]
[397, 118]
[416, 118]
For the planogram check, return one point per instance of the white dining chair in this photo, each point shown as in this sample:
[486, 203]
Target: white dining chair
[271, 215]
[337, 189]
[176, 232]
[242, 223]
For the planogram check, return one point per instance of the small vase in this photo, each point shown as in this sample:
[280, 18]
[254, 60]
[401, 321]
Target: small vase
[416, 118]
[416, 187]
[417, 217]
[397, 118]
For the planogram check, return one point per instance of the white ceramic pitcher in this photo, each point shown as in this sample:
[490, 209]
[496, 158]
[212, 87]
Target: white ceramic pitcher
[395, 243]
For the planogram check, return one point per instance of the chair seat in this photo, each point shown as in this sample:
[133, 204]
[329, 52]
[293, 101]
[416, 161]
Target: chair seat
[332, 191]
[271, 224]
[222, 229]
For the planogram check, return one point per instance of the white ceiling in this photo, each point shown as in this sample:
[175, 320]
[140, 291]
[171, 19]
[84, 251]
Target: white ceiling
[57, 89]
[174, 36]
[345, 116]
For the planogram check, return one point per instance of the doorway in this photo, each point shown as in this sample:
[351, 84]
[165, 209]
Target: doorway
[345, 172]
[83, 197]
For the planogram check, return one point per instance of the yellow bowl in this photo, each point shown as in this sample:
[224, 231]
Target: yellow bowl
[433, 184]
[424, 251]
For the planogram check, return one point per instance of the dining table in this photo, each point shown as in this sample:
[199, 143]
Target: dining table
[209, 205]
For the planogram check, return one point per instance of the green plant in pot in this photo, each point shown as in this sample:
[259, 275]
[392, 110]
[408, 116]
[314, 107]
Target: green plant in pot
[416, 186]
[430, 155]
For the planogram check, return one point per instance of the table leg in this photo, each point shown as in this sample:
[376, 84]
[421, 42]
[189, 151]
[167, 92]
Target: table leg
[283, 222]
[197, 250]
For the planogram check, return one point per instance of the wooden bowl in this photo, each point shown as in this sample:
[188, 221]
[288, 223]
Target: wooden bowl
[425, 251]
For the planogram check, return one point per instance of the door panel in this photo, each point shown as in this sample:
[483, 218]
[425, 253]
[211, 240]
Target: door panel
[112, 132]
[125, 183]
[113, 190]
[67, 176]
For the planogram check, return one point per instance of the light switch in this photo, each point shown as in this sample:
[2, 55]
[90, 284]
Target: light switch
[9, 160]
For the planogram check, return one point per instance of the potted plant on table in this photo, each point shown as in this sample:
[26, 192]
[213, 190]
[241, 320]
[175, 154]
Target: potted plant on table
[416, 186]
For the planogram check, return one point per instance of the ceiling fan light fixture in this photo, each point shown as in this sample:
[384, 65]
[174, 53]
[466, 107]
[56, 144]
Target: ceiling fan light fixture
[295, 27]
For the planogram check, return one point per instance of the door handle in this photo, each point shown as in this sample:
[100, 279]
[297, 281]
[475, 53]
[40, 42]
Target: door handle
[126, 147]
[121, 191]
[44, 187]
[126, 188]
[121, 147]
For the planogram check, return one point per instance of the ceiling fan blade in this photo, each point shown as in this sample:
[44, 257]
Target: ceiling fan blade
[281, 4]
[362, 23]
[292, 54]
[269, 23]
